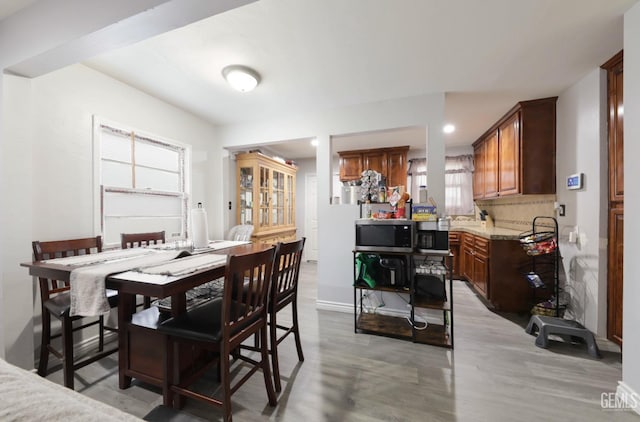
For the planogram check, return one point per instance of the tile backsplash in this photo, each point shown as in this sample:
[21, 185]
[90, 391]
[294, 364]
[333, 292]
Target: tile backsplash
[517, 212]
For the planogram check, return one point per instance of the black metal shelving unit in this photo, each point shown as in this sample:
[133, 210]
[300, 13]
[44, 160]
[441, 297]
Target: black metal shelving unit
[541, 244]
[435, 334]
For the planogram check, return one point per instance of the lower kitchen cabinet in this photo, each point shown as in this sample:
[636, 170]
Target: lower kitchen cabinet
[455, 239]
[494, 268]
[476, 253]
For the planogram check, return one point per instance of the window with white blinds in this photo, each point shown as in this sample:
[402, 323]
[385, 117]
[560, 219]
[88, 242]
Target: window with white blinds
[142, 183]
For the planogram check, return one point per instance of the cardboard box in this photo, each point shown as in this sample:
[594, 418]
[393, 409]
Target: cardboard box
[421, 212]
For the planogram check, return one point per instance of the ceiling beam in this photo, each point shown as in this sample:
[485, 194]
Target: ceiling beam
[51, 34]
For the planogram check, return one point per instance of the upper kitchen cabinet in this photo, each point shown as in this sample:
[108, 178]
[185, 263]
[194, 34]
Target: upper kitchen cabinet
[517, 155]
[390, 162]
[266, 198]
[350, 166]
[485, 180]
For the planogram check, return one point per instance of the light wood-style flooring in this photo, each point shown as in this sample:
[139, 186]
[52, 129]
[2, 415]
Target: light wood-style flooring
[495, 373]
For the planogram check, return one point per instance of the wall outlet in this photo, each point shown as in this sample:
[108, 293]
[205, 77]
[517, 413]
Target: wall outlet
[561, 210]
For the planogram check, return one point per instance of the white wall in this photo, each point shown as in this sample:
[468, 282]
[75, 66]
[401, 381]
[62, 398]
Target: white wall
[582, 148]
[336, 230]
[16, 168]
[48, 130]
[305, 167]
[2, 217]
[462, 150]
[631, 310]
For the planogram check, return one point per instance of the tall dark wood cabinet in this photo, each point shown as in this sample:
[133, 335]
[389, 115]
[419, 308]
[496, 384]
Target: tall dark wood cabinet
[614, 70]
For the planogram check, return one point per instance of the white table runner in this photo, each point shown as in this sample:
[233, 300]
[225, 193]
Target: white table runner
[96, 258]
[88, 294]
[186, 265]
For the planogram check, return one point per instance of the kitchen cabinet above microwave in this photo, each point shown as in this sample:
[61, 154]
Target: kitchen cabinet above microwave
[390, 162]
[517, 154]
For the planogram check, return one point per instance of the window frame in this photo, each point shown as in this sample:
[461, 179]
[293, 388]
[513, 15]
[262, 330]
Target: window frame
[184, 173]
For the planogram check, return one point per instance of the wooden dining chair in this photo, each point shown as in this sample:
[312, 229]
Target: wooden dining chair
[133, 240]
[138, 240]
[220, 326]
[284, 291]
[240, 232]
[55, 301]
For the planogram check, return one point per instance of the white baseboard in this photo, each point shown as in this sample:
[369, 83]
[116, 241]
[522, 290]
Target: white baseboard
[628, 396]
[401, 313]
[326, 305]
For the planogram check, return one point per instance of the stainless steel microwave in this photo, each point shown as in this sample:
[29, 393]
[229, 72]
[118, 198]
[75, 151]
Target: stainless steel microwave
[385, 235]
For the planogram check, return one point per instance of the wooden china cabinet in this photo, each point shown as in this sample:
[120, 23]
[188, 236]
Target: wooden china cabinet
[266, 197]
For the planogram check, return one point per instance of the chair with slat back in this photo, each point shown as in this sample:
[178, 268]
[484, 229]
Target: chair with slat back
[284, 291]
[132, 240]
[56, 302]
[240, 232]
[220, 326]
[138, 240]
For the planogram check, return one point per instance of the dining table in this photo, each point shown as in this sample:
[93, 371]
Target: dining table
[140, 345]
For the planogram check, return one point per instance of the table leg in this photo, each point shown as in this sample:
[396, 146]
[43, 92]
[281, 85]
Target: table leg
[126, 307]
[178, 304]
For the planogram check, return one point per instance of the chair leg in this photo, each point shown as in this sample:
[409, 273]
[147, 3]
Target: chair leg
[225, 382]
[67, 352]
[167, 382]
[101, 334]
[44, 343]
[146, 302]
[265, 366]
[296, 329]
[274, 352]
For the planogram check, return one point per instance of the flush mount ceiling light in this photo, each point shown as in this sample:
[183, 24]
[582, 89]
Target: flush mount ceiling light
[241, 78]
[449, 128]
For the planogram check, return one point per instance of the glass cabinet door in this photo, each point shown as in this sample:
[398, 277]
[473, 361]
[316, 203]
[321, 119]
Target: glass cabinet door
[246, 195]
[278, 198]
[265, 197]
[290, 192]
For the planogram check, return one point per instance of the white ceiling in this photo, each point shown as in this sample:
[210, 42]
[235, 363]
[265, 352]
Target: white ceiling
[320, 54]
[9, 7]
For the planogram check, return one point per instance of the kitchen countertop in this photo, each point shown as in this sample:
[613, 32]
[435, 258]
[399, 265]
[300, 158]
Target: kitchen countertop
[492, 233]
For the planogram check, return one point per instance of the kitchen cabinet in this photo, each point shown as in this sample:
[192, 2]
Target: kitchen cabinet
[509, 156]
[455, 248]
[390, 162]
[376, 160]
[350, 166]
[494, 269]
[516, 155]
[476, 254]
[479, 156]
[266, 197]
[397, 166]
